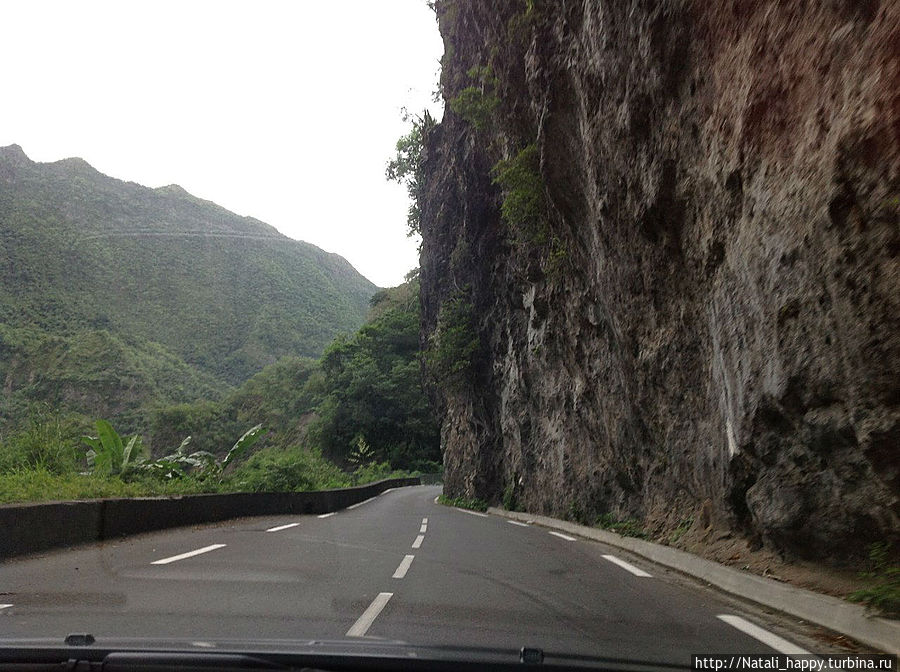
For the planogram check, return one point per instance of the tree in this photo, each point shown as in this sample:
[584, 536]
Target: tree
[373, 389]
[406, 167]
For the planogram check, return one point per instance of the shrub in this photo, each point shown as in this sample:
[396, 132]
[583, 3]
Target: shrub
[472, 503]
[524, 207]
[31, 485]
[376, 471]
[293, 470]
[454, 343]
[406, 167]
[476, 104]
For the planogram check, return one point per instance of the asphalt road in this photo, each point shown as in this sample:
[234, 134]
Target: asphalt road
[398, 567]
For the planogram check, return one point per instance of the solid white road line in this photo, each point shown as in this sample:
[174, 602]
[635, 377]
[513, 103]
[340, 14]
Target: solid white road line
[404, 567]
[189, 554]
[368, 617]
[282, 527]
[563, 536]
[473, 513]
[5, 606]
[365, 501]
[766, 637]
[516, 522]
[388, 490]
[626, 565]
[418, 542]
[326, 515]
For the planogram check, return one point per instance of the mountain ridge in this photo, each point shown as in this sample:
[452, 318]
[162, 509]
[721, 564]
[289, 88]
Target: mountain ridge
[82, 252]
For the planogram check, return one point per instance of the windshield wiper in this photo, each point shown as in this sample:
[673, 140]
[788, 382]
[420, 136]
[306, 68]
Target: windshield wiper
[84, 654]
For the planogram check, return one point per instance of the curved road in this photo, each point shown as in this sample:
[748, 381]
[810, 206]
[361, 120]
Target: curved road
[398, 567]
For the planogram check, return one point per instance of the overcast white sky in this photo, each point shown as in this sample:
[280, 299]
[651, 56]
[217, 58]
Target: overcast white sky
[283, 110]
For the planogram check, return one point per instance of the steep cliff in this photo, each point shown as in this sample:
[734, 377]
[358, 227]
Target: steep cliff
[672, 228]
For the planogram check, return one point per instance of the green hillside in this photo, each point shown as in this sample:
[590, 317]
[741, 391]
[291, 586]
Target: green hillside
[115, 295]
[357, 414]
[366, 388]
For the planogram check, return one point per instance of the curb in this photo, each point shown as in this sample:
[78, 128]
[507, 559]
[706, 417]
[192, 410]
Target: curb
[825, 610]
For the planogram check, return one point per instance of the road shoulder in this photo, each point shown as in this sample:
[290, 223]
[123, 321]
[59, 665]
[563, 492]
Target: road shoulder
[829, 612]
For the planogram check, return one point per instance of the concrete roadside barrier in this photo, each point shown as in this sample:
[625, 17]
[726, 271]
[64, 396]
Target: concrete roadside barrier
[37, 527]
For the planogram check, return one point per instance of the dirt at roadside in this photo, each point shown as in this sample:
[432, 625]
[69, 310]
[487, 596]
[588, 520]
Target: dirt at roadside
[726, 548]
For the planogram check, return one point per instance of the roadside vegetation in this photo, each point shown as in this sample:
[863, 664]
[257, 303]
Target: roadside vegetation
[109, 467]
[883, 592]
[471, 503]
[628, 527]
[357, 415]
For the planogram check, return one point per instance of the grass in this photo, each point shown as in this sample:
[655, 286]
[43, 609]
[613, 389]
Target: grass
[35, 485]
[884, 593]
[680, 531]
[269, 470]
[628, 527]
[509, 499]
[472, 503]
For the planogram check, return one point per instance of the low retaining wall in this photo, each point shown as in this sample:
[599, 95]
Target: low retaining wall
[433, 479]
[33, 528]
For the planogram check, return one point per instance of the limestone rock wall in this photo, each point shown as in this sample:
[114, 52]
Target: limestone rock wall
[704, 321]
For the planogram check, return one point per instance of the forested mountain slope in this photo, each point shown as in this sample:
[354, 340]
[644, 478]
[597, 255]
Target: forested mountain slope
[114, 293]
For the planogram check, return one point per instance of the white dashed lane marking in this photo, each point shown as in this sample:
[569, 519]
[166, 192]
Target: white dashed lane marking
[365, 501]
[362, 625]
[189, 554]
[404, 567]
[516, 522]
[418, 542]
[766, 637]
[563, 536]
[326, 515]
[626, 566]
[282, 527]
[471, 513]
[5, 606]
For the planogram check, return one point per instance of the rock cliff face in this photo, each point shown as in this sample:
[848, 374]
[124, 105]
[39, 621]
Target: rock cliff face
[676, 226]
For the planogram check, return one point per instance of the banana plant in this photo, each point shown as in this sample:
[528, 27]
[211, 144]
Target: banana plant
[107, 452]
[362, 454]
[201, 461]
[176, 464]
[242, 445]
